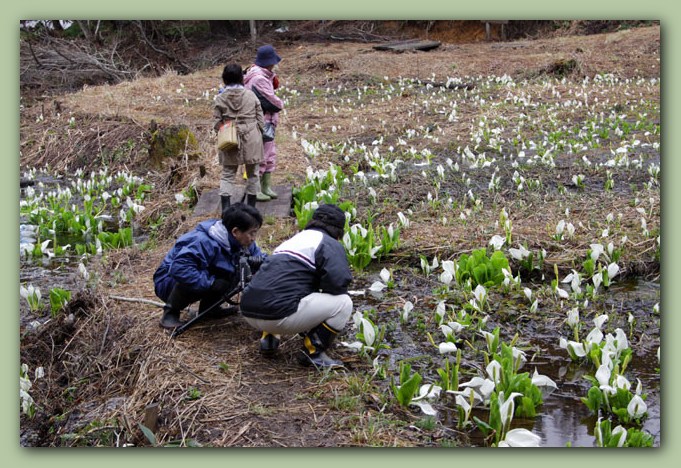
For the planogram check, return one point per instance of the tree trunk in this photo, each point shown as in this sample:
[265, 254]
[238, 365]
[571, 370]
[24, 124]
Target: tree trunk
[254, 32]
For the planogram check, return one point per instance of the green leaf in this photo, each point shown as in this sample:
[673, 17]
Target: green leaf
[148, 434]
[58, 299]
[480, 274]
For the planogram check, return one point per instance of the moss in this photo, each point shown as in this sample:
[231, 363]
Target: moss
[171, 142]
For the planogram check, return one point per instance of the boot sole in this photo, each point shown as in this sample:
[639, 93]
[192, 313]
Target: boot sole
[170, 327]
[305, 361]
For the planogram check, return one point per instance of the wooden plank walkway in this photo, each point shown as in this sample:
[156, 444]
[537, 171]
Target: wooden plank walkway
[412, 44]
[209, 203]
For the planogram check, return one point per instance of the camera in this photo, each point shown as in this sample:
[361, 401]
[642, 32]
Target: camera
[254, 261]
[248, 265]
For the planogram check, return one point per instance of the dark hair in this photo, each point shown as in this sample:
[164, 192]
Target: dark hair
[328, 218]
[241, 216]
[333, 231]
[233, 74]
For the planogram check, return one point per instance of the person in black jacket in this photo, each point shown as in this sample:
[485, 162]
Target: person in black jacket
[302, 288]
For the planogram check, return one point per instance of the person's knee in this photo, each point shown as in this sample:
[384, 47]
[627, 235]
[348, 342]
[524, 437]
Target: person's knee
[346, 305]
[343, 310]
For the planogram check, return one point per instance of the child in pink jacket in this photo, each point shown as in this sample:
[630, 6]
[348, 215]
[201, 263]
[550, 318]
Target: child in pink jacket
[261, 79]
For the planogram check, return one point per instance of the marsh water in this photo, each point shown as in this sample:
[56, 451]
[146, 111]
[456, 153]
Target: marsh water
[563, 419]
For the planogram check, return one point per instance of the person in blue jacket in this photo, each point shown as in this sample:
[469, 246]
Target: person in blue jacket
[302, 287]
[203, 263]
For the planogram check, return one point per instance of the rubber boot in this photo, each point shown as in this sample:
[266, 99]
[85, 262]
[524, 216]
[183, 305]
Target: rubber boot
[316, 342]
[261, 197]
[171, 310]
[251, 199]
[225, 202]
[269, 343]
[171, 318]
[266, 185]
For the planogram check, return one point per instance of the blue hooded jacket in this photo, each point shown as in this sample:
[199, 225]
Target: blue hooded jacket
[198, 257]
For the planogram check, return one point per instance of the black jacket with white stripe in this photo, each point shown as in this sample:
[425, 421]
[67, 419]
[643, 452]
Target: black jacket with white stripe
[311, 261]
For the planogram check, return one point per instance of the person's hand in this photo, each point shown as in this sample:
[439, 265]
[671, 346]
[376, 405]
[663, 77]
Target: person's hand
[275, 82]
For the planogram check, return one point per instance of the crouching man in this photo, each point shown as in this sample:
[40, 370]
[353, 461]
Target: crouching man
[203, 263]
[302, 288]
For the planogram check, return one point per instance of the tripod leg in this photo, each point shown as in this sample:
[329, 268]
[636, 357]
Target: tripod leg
[202, 313]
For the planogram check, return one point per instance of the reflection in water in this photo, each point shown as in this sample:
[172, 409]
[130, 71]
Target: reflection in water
[563, 421]
[563, 418]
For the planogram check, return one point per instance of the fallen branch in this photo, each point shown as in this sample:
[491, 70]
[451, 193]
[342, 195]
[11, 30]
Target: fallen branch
[135, 299]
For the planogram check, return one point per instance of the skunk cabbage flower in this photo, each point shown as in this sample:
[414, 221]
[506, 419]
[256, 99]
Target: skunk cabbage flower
[595, 336]
[596, 251]
[466, 394]
[507, 407]
[597, 280]
[520, 438]
[449, 272]
[494, 371]
[440, 310]
[572, 317]
[545, 384]
[427, 391]
[562, 293]
[483, 387]
[622, 433]
[406, 309]
[603, 375]
[385, 275]
[519, 254]
[447, 347]
[574, 348]
[497, 242]
[377, 286]
[637, 407]
[464, 403]
[613, 270]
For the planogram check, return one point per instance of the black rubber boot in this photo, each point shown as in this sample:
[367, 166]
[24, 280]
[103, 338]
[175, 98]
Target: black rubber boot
[269, 344]
[225, 202]
[209, 301]
[177, 301]
[316, 342]
[251, 199]
[171, 318]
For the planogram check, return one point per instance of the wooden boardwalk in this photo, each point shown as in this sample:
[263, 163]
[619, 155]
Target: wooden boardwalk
[209, 203]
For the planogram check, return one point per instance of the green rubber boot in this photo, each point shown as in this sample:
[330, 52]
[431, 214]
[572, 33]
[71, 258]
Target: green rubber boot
[262, 197]
[266, 185]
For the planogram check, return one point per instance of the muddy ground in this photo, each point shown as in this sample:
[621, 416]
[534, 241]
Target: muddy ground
[111, 366]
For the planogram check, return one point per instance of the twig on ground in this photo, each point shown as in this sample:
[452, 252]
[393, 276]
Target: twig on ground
[136, 299]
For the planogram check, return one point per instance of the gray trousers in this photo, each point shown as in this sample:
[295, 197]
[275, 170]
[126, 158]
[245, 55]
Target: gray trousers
[313, 309]
[228, 179]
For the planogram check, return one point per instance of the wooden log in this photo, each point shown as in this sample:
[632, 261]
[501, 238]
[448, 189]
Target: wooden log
[413, 44]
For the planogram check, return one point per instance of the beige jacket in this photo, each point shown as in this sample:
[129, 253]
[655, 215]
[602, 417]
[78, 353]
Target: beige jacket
[241, 104]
